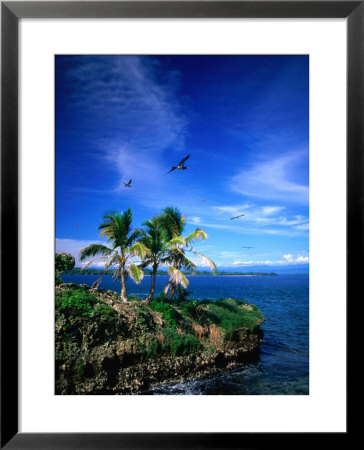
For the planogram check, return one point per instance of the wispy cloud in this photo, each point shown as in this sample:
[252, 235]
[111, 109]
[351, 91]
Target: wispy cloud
[273, 179]
[259, 218]
[135, 118]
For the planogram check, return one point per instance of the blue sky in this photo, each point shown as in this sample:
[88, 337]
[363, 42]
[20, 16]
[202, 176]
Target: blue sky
[244, 121]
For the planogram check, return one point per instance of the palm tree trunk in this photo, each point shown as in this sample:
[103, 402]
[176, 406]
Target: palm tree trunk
[180, 291]
[174, 285]
[152, 288]
[167, 287]
[172, 290]
[123, 296]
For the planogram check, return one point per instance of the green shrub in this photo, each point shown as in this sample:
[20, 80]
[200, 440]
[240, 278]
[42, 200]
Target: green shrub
[58, 281]
[170, 315]
[179, 344]
[80, 369]
[162, 298]
[190, 308]
[79, 302]
[105, 312]
[76, 302]
[63, 263]
[174, 344]
[153, 348]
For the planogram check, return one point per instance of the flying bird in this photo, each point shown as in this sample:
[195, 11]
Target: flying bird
[248, 247]
[128, 184]
[237, 217]
[180, 166]
[76, 226]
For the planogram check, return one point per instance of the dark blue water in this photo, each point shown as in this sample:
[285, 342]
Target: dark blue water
[283, 364]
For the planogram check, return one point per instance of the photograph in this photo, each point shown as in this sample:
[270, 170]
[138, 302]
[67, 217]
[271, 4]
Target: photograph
[181, 224]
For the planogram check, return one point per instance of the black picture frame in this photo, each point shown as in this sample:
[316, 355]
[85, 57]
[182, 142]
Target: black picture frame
[11, 12]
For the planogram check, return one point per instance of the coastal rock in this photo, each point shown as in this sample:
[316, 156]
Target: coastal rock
[124, 349]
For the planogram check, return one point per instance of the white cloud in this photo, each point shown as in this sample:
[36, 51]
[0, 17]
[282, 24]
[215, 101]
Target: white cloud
[194, 220]
[231, 210]
[269, 210]
[73, 247]
[228, 254]
[287, 260]
[273, 179]
[288, 257]
[299, 259]
[257, 219]
[302, 259]
[304, 226]
[251, 263]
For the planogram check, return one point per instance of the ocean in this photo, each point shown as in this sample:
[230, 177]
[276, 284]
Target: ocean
[283, 364]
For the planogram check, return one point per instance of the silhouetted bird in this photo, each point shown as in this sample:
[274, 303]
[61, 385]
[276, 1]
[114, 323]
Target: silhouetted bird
[128, 184]
[237, 217]
[76, 226]
[180, 165]
[248, 247]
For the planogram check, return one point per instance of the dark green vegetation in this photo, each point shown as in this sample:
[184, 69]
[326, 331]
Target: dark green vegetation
[80, 302]
[64, 262]
[104, 345]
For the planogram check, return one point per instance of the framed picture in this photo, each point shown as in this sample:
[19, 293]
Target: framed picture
[229, 119]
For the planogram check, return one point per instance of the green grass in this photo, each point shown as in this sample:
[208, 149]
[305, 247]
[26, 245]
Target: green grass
[174, 344]
[230, 314]
[180, 344]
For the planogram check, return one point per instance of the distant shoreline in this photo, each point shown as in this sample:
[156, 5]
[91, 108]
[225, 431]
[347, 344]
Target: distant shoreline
[78, 271]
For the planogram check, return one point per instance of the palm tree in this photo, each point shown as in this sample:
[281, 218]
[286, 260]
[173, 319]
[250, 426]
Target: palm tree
[173, 222]
[123, 245]
[155, 239]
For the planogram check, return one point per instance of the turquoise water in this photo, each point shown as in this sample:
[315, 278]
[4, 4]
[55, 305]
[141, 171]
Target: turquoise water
[283, 364]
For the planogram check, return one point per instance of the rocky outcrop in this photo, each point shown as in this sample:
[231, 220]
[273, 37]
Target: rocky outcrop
[124, 352]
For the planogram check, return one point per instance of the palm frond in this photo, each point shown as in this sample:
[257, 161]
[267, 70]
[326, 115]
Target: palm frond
[90, 263]
[136, 274]
[182, 260]
[177, 277]
[96, 284]
[117, 274]
[134, 236]
[206, 261]
[196, 235]
[178, 240]
[145, 263]
[139, 249]
[93, 250]
[117, 227]
[172, 221]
